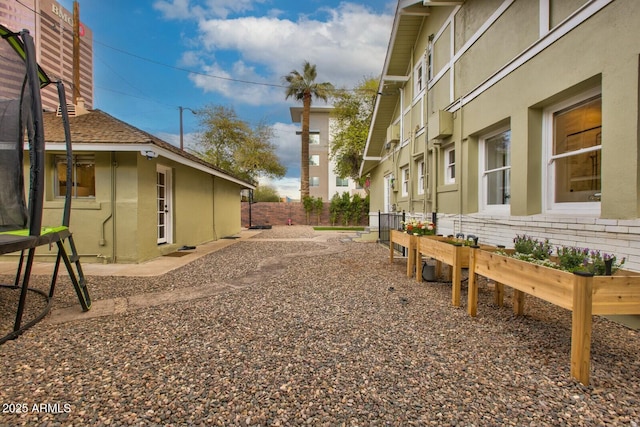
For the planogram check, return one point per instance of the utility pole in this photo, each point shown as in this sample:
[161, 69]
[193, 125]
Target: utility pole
[181, 130]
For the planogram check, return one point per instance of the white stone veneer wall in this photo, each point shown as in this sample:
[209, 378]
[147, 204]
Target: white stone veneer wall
[619, 237]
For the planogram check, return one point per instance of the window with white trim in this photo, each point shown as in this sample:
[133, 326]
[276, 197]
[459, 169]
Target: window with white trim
[314, 181]
[342, 182]
[450, 165]
[314, 138]
[573, 135]
[405, 181]
[430, 60]
[314, 160]
[83, 176]
[495, 170]
[418, 78]
[421, 171]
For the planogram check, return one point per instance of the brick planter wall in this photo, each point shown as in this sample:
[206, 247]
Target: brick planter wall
[274, 213]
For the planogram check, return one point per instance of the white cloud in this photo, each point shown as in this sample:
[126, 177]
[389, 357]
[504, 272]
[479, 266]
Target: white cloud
[189, 139]
[286, 187]
[174, 9]
[183, 9]
[232, 84]
[349, 45]
[287, 146]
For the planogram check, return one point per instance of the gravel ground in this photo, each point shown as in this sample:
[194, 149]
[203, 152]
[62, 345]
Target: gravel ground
[313, 333]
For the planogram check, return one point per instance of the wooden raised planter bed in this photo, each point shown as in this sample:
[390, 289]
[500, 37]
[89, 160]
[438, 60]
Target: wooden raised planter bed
[582, 293]
[453, 254]
[410, 242]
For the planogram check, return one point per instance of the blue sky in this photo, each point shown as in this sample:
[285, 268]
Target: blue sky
[152, 56]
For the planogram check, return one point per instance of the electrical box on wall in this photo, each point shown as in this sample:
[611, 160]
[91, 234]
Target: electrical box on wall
[440, 125]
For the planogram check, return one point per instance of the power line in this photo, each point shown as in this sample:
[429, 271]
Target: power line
[152, 61]
[231, 79]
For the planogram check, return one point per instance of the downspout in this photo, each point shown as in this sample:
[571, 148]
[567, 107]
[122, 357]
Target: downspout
[112, 215]
[412, 137]
[460, 168]
[434, 181]
[426, 133]
[102, 242]
[399, 182]
[213, 207]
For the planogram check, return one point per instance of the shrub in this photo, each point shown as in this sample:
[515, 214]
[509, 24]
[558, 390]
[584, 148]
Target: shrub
[307, 203]
[318, 205]
[334, 209]
[534, 247]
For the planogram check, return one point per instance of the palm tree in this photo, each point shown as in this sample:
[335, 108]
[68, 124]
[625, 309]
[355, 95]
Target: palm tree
[302, 87]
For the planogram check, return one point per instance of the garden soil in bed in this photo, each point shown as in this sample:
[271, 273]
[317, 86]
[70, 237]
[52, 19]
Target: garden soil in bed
[311, 329]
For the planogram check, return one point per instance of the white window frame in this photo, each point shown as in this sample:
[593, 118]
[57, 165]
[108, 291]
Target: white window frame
[388, 189]
[419, 78]
[314, 160]
[342, 182]
[449, 167]
[551, 206]
[314, 138]
[483, 181]
[429, 61]
[77, 159]
[314, 179]
[421, 173]
[404, 173]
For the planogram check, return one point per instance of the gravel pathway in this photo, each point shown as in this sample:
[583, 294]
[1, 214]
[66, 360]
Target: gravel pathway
[313, 333]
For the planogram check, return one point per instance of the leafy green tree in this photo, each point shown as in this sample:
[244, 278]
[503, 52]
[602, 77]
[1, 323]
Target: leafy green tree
[318, 205]
[345, 203]
[303, 87]
[355, 208]
[334, 209]
[235, 146]
[353, 111]
[265, 193]
[307, 203]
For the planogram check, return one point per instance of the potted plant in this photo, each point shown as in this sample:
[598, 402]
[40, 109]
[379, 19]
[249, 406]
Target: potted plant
[407, 236]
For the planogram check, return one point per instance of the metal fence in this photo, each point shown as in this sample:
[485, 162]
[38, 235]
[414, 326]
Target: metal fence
[386, 223]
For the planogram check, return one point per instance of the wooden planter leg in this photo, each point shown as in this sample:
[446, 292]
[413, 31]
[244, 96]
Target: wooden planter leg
[472, 298]
[581, 327]
[518, 302]
[390, 250]
[498, 295]
[411, 260]
[456, 282]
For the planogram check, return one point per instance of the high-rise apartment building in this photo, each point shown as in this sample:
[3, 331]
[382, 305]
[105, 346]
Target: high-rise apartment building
[51, 26]
[323, 181]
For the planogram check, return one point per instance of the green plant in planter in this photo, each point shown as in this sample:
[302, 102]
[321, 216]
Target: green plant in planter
[569, 258]
[592, 261]
[572, 259]
[529, 246]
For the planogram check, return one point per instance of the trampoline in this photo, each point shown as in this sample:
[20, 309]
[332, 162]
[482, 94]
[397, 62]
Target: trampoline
[21, 228]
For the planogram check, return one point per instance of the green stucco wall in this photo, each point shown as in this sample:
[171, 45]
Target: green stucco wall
[120, 223]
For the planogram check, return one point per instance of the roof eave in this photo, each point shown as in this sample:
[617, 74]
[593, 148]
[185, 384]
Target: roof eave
[157, 151]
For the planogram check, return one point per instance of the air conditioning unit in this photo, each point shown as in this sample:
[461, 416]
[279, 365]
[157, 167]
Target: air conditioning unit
[440, 125]
[393, 133]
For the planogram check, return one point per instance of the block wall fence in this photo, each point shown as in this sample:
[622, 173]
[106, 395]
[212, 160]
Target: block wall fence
[278, 213]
